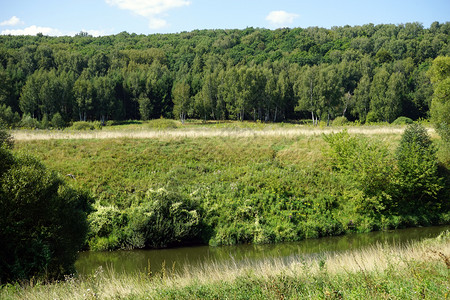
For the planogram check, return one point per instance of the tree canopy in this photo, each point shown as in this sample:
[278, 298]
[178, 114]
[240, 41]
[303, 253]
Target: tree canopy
[253, 73]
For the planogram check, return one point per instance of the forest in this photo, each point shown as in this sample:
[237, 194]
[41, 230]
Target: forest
[369, 73]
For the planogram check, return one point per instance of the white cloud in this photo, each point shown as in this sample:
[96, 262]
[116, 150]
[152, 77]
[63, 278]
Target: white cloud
[33, 30]
[280, 17]
[150, 9]
[156, 23]
[11, 22]
[92, 32]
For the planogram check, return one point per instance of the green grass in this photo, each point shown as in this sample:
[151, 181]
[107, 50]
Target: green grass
[416, 271]
[251, 185]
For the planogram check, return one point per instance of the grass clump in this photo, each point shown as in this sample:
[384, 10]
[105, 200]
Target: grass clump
[414, 271]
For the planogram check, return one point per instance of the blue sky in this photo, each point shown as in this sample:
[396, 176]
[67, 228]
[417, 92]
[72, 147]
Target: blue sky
[106, 17]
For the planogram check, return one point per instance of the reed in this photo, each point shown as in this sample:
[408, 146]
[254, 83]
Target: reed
[418, 270]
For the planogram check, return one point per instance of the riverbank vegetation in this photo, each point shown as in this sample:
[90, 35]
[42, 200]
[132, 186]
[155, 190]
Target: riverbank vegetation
[42, 220]
[414, 271]
[219, 189]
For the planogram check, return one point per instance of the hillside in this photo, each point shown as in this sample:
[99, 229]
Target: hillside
[366, 73]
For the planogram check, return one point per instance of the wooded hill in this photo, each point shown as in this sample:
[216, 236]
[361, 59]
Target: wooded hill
[367, 73]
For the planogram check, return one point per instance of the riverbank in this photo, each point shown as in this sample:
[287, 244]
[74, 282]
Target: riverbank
[415, 271]
[227, 184]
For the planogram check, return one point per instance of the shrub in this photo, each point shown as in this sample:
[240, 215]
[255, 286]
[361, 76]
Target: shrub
[29, 122]
[105, 224]
[7, 116]
[402, 121]
[83, 125]
[165, 219]
[58, 121]
[159, 219]
[417, 180]
[42, 220]
[367, 165]
[372, 117]
[162, 124]
[6, 140]
[340, 121]
[45, 123]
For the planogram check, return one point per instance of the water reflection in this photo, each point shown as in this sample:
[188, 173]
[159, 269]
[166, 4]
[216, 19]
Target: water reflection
[179, 258]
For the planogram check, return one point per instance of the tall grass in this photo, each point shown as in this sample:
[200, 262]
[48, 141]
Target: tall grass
[415, 271]
[152, 132]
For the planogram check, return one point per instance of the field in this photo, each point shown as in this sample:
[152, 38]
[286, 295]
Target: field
[224, 183]
[416, 271]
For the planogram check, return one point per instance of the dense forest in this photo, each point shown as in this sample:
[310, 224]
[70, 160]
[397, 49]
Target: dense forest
[367, 73]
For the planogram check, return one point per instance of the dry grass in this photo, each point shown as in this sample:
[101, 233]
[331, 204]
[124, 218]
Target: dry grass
[107, 284]
[24, 135]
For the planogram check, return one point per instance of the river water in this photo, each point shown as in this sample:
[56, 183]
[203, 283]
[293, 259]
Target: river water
[178, 258]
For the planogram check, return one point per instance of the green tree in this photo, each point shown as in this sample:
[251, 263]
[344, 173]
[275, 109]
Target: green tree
[306, 90]
[84, 93]
[181, 100]
[395, 96]
[329, 90]
[440, 105]
[42, 220]
[378, 90]
[417, 179]
[362, 98]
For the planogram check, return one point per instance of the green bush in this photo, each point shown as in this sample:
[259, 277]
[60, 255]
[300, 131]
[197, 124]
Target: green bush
[162, 124]
[29, 122]
[402, 121]
[7, 116]
[42, 220]
[159, 219]
[58, 121]
[340, 121]
[372, 117]
[6, 140]
[367, 166]
[45, 123]
[82, 125]
[417, 181]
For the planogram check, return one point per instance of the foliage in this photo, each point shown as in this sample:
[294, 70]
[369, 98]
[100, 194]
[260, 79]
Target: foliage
[162, 124]
[29, 122]
[246, 184]
[440, 105]
[417, 180]
[159, 219]
[57, 121]
[402, 121]
[250, 74]
[7, 116]
[6, 139]
[372, 118]
[42, 221]
[370, 167]
[340, 121]
[83, 125]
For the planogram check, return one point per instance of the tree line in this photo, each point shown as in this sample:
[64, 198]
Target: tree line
[368, 73]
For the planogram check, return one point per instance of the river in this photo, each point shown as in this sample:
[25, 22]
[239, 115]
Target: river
[178, 258]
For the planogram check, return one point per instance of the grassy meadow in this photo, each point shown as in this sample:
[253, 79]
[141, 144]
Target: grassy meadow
[419, 270]
[233, 182]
